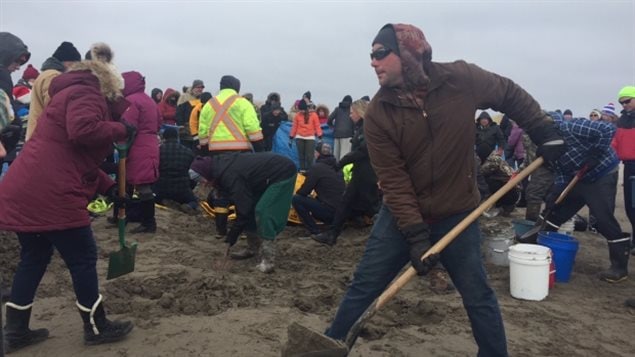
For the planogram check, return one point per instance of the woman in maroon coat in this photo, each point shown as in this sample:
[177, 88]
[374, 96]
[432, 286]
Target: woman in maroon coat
[142, 167]
[45, 194]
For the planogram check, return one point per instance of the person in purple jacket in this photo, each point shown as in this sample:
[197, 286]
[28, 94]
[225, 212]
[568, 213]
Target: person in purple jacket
[44, 199]
[142, 167]
[515, 150]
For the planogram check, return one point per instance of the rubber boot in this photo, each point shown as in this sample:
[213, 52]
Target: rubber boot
[98, 329]
[532, 212]
[618, 255]
[253, 245]
[329, 237]
[17, 334]
[268, 256]
[148, 223]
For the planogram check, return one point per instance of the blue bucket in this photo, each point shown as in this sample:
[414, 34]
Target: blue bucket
[522, 226]
[564, 248]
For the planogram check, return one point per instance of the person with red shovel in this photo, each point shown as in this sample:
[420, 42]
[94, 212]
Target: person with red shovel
[420, 135]
[589, 144]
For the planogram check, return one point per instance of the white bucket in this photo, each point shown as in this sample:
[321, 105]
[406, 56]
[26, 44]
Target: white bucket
[529, 271]
[497, 249]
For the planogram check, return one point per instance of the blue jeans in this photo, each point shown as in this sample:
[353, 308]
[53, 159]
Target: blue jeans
[386, 254]
[309, 208]
[78, 250]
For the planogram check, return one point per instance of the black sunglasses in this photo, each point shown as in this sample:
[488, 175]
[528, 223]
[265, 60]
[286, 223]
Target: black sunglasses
[624, 102]
[380, 54]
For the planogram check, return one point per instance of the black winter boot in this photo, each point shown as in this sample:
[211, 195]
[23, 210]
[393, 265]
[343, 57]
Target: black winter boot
[532, 213]
[618, 254]
[148, 222]
[17, 334]
[98, 329]
[329, 237]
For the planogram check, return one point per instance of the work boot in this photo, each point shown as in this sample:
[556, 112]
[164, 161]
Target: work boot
[329, 237]
[148, 222]
[618, 255]
[532, 212]
[98, 329]
[17, 334]
[268, 254]
[253, 245]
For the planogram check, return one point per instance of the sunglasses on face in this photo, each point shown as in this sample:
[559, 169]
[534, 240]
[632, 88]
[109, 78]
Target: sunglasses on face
[594, 115]
[627, 101]
[380, 54]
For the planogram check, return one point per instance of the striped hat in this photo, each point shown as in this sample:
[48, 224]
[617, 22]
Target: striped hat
[609, 109]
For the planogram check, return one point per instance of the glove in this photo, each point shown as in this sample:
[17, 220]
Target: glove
[131, 131]
[550, 143]
[593, 158]
[232, 237]
[418, 237]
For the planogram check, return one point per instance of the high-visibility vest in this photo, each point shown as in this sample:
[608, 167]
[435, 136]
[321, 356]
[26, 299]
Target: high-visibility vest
[226, 132]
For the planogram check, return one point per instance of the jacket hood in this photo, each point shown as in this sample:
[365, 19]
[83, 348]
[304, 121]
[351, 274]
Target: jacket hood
[53, 63]
[169, 93]
[134, 82]
[90, 73]
[271, 95]
[415, 54]
[329, 160]
[12, 49]
[325, 108]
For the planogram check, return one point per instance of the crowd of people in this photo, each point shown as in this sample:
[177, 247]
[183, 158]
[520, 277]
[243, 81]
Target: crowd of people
[404, 180]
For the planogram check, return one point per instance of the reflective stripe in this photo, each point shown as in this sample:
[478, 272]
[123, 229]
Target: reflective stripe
[627, 239]
[18, 307]
[92, 312]
[229, 145]
[221, 114]
[255, 136]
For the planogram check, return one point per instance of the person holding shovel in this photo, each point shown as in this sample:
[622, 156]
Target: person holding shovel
[44, 199]
[261, 187]
[420, 135]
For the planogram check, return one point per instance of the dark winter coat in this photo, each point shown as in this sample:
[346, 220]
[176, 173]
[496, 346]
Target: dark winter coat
[270, 123]
[363, 175]
[174, 165]
[326, 181]
[57, 173]
[341, 121]
[143, 157]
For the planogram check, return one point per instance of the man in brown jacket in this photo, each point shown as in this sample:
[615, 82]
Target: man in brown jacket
[420, 135]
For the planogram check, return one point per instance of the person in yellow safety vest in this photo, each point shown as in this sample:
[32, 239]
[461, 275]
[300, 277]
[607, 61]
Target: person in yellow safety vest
[228, 122]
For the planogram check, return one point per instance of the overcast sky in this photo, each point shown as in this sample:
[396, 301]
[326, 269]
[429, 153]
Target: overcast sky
[567, 54]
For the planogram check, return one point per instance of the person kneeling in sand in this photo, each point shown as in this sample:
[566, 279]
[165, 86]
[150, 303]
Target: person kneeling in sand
[261, 186]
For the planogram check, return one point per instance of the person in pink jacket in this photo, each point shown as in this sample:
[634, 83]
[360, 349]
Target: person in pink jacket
[305, 129]
[142, 167]
[45, 194]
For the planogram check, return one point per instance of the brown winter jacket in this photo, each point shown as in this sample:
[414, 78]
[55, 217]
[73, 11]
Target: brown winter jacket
[424, 157]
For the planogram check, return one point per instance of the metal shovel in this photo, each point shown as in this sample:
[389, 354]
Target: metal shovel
[122, 262]
[305, 342]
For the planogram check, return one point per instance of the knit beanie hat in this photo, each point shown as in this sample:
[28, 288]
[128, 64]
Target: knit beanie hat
[568, 112]
[609, 109]
[348, 99]
[30, 73]
[66, 52]
[323, 148]
[230, 82]
[205, 97]
[307, 94]
[627, 92]
[596, 112]
[387, 37]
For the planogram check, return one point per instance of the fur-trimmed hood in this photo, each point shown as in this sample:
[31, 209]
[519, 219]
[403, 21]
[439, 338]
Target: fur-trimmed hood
[108, 81]
[100, 52]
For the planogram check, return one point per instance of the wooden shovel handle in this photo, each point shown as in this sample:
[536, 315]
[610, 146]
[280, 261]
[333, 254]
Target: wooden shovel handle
[449, 237]
[572, 183]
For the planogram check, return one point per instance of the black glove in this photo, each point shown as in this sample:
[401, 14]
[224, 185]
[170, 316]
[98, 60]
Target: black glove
[131, 131]
[551, 144]
[232, 237]
[418, 237]
[594, 158]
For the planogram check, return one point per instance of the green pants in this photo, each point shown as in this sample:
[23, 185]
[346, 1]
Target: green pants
[272, 210]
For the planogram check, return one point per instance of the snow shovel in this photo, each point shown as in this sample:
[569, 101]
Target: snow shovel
[304, 342]
[531, 236]
[122, 262]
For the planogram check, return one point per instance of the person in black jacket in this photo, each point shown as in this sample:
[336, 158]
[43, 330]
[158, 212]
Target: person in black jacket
[328, 184]
[362, 190]
[271, 122]
[261, 186]
[488, 135]
[174, 179]
[340, 121]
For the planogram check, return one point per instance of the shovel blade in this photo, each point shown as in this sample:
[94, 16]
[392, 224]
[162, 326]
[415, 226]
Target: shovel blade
[304, 342]
[121, 262]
